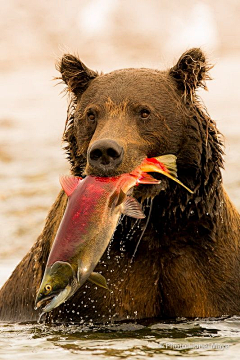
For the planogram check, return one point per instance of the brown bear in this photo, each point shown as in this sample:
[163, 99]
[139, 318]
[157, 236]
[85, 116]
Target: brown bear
[187, 263]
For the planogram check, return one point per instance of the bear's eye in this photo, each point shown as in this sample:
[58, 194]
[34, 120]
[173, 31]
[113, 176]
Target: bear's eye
[91, 116]
[144, 113]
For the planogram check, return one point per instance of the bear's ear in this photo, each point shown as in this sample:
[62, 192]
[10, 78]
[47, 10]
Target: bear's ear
[191, 72]
[75, 74]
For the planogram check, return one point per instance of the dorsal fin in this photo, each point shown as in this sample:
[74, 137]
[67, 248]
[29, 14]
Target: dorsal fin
[69, 183]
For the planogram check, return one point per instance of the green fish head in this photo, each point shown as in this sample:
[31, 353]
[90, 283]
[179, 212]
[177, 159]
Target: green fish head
[56, 287]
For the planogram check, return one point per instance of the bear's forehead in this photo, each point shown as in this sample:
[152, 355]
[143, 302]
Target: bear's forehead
[129, 85]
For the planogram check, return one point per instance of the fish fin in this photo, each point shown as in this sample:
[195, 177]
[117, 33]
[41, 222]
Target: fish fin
[177, 181]
[165, 165]
[131, 207]
[112, 199]
[121, 198]
[169, 161]
[117, 198]
[148, 179]
[69, 183]
[99, 280]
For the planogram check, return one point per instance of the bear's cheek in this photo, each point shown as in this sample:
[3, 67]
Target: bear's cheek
[162, 136]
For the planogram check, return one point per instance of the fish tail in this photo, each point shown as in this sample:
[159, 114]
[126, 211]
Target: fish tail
[177, 181]
[165, 165]
[169, 161]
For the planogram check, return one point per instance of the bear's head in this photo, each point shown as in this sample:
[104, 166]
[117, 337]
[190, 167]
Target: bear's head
[116, 120]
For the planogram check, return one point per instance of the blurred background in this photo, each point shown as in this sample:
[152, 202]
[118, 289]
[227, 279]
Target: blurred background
[106, 34]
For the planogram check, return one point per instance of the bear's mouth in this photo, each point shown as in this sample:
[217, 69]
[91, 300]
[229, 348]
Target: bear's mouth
[102, 171]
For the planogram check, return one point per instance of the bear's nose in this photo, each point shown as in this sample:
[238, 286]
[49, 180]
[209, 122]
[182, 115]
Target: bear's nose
[105, 154]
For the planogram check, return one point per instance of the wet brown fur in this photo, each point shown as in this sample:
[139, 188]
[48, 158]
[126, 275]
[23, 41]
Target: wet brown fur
[188, 261]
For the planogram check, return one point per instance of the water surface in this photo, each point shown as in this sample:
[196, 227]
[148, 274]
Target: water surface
[182, 339]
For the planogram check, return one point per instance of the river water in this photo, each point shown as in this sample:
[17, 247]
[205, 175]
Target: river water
[212, 339]
[31, 123]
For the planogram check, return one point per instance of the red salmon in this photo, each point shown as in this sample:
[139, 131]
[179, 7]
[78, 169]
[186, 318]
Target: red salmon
[94, 207]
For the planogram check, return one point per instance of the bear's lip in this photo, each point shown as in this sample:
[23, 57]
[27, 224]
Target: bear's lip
[103, 172]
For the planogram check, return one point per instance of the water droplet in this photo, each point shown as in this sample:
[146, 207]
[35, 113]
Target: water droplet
[40, 317]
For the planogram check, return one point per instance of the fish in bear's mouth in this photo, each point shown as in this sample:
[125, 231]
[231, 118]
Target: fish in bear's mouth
[85, 231]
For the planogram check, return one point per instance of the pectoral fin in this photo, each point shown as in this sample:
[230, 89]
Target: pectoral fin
[131, 207]
[99, 280]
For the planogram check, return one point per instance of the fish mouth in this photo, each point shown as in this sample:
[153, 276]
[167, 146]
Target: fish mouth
[39, 303]
[54, 300]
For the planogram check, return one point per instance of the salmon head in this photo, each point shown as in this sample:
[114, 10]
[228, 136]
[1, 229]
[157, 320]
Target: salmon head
[57, 286]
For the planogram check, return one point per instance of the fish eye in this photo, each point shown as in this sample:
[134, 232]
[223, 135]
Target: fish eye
[48, 288]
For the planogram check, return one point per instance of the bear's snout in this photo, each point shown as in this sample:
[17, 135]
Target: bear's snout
[105, 155]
